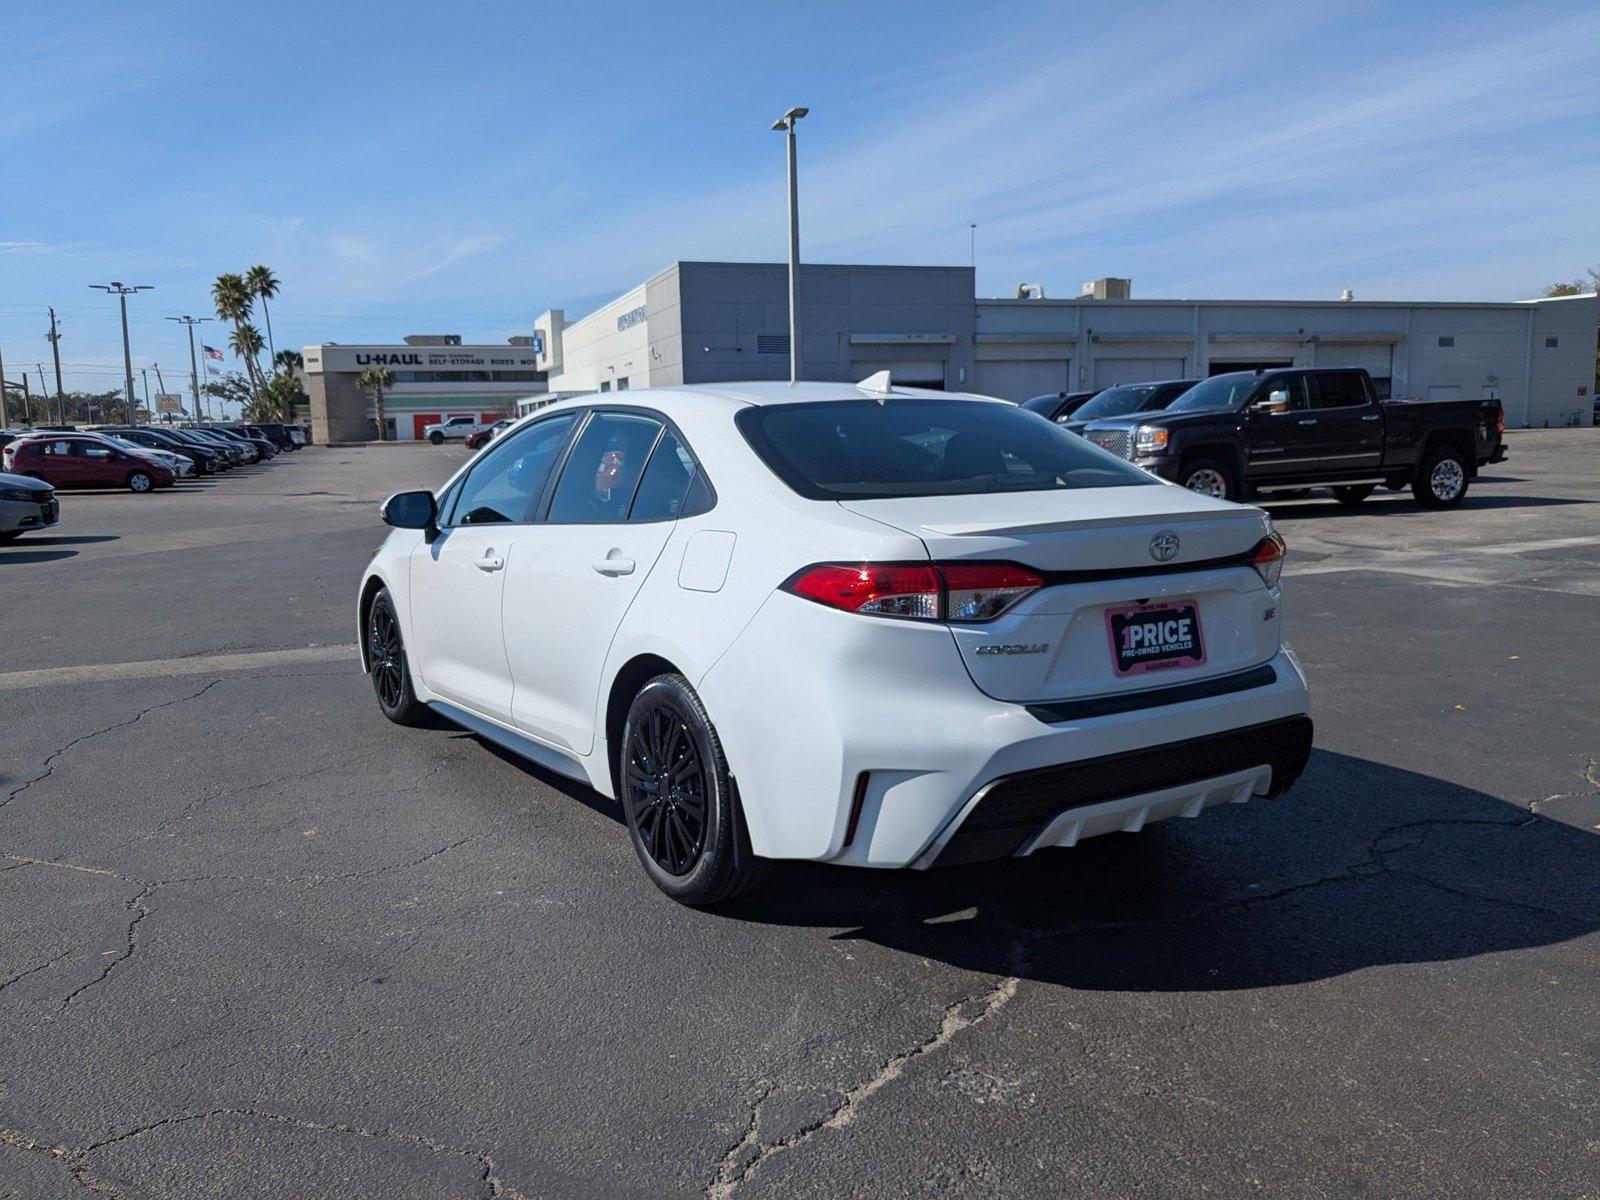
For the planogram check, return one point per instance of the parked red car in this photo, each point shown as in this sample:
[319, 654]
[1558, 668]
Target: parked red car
[67, 462]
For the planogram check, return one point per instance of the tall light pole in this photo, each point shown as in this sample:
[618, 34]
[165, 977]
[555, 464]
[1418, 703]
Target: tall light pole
[122, 292]
[785, 124]
[194, 369]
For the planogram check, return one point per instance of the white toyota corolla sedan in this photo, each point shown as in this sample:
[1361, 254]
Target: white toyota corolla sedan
[864, 625]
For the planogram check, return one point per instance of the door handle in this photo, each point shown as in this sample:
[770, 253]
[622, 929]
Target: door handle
[1373, 417]
[613, 564]
[1309, 421]
[491, 561]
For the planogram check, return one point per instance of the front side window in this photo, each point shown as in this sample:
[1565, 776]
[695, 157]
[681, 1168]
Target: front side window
[1282, 394]
[504, 483]
[597, 483]
[871, 450]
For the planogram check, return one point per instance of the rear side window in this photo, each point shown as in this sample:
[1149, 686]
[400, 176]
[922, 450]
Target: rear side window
[601, 472]
[1339, 391]
[871, 450]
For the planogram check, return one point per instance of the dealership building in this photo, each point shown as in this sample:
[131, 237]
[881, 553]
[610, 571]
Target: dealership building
[702, 322]
[435, 377]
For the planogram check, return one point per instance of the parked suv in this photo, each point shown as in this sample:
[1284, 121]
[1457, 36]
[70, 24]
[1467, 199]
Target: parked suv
[1288, 429]
[1126, 399]
[67, 461]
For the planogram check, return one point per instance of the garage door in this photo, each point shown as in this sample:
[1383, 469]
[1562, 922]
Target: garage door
[1109, 372]
[1021, 379]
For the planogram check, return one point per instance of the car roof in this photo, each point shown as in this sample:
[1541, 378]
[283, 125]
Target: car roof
[756, 393]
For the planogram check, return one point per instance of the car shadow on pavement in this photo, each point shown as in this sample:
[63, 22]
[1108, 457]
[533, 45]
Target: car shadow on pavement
[12, 557]
[81, 539]
[1362, 865]
[1400, 504]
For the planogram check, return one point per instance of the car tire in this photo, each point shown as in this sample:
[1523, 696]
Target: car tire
[1441, 479]
[436, 438]
[387, 667]
[1353, 494]
[1210, 477]
[678, 797]
[140, 481]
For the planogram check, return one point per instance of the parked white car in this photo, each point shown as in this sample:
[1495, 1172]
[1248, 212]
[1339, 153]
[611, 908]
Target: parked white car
[873, 627]
[453, 428]
[26, 504]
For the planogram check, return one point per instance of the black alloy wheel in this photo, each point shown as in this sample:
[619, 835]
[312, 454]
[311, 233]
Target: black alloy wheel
[386, 664]
[666, 782]
[679, 799]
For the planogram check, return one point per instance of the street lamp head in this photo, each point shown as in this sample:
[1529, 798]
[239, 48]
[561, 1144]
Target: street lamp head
[789, 118]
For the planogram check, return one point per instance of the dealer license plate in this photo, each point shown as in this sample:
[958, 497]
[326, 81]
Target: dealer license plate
[1155, 637]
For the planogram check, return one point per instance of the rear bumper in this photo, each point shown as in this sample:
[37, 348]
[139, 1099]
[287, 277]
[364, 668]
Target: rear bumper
[1061, 805]
[873, 748]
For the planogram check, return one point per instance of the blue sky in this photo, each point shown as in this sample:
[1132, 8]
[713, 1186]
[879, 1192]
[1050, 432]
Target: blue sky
[407, 174]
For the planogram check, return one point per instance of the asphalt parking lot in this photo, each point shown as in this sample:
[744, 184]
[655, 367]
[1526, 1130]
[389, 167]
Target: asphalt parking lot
[255, 941]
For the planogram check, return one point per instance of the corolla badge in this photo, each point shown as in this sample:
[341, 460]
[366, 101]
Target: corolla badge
[1164, 546]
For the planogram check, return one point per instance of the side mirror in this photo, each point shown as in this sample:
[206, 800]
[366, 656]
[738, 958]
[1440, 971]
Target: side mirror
[412, 510]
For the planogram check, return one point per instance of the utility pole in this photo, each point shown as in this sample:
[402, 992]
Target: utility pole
[146, 375]
[27, 402]
[194, 369]
[55, 349]
[122, 292]
[44, 394]
[5, 421]
[785, 124]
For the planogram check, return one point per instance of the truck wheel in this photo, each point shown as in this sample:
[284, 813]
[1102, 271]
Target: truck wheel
[436, 438]
[1354, 494]
[1210, 477]
[1441, 478]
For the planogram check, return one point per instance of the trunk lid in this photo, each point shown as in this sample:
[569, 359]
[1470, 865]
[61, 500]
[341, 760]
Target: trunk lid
[1058, 642]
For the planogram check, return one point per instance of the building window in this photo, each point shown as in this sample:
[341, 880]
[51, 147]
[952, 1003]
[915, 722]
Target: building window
[1447, 342]
[622, 384]
[1551, 343]
[605, 385]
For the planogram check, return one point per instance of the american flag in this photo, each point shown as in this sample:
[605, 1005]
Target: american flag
[212, 352]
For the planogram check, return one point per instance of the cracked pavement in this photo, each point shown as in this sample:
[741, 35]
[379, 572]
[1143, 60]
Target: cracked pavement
[257, 942]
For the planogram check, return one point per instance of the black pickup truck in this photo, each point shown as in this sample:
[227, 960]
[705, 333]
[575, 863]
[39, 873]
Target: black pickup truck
[1285, 429]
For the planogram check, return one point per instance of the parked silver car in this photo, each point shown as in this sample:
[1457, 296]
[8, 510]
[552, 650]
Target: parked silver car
[26, 504]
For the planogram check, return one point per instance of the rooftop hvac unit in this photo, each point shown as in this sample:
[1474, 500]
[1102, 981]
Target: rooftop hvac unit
[1108, 287]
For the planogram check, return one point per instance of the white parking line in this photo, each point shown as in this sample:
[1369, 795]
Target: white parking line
[168, 668]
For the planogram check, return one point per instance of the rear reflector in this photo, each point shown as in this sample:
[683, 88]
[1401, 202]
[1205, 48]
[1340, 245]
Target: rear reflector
[959, 591]
[1268, 558]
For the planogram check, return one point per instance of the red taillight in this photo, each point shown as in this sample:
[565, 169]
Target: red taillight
[1268, 558]
[976, 591]
[1499, 420]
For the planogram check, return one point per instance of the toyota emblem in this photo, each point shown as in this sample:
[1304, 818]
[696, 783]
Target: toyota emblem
[1164, 547]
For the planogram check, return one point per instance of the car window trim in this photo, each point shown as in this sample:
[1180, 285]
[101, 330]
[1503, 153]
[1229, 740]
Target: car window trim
[460, 485]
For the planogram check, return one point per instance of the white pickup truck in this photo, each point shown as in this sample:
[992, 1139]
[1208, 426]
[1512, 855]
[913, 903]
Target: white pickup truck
[452, 428]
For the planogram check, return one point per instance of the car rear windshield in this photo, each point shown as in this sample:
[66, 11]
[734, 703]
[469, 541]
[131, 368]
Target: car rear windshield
[873, 450]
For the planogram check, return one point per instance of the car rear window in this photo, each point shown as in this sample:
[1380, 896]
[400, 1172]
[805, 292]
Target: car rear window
[872, 450]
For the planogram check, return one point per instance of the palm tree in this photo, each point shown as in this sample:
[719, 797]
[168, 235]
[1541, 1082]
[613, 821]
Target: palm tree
[288, 360]
[375, 380]
[245, 341]
[233, 300]
[263, 284]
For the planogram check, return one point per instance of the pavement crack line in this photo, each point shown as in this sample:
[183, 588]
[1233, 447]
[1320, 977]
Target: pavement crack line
[77, 1170]
[54, 756]
[494, 1188]
[959, 1017]
[140, 911]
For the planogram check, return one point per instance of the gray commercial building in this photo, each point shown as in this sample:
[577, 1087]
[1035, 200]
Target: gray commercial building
[703, 322]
